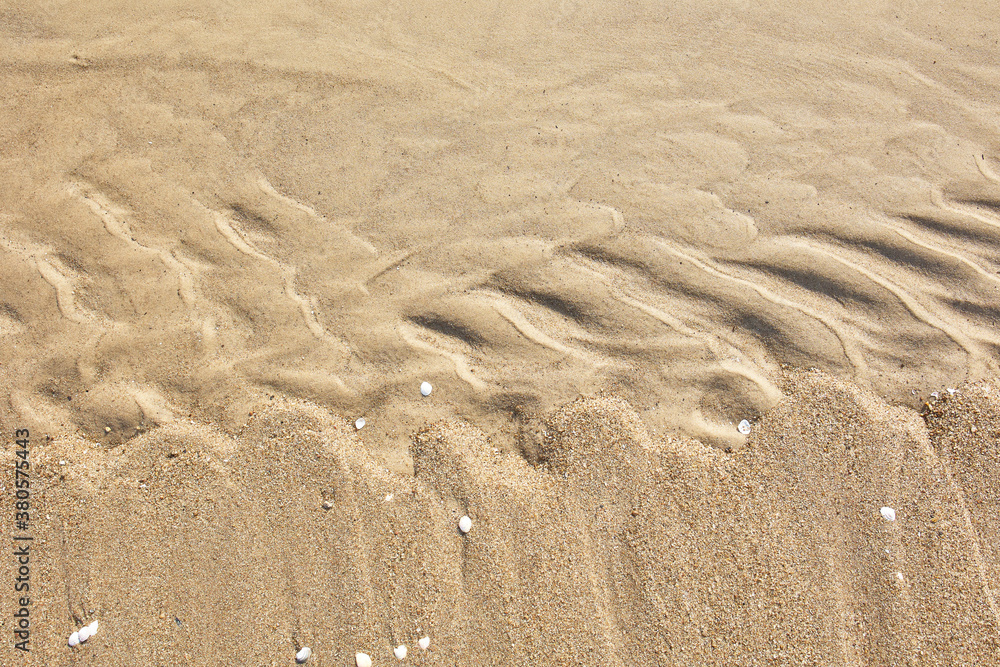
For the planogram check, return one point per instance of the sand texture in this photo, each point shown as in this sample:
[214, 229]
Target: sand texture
[604, 232]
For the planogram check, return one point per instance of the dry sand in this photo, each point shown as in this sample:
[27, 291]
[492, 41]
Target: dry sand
[605, 232]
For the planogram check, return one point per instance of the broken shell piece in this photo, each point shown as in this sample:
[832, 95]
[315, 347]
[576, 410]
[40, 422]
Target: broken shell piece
[360, 424]
[465, 524]
[426, 388]
[74, 639]
[93, 627]
[744, 427]
[362, 660]
[399, 652]
[304, 654]
[888, 513]
[424, 642]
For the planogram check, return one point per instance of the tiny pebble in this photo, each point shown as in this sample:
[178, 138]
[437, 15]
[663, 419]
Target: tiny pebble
[888, 513]
[424, 642]
[304, 654]
[399, 652]
[744, 427]
[465, 524]
[363, 660]
[85, 633]
[360, 424]
[74, 639]
[327, 505]
[426, 388]
[107, 429]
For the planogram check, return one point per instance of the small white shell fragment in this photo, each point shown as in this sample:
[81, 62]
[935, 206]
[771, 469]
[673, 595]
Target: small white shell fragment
[426, 388]
[465, 524]
[888, 513]
[85, 633]
[899, 575]
[74, 639]
[93, 627]
[304, 654]
[424, 642]
[360, 424]
[744, 427]
[362, 660]
[399, 652]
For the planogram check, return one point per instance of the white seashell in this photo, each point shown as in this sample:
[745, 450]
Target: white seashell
[399, 652]
[426, 388]
[85, 633]
[465, 524]
[888, 513]
[424, 642]
[74, 639]
[360, 424]
[93, 627]
[363, 660]
[304, 654]
[744, 427]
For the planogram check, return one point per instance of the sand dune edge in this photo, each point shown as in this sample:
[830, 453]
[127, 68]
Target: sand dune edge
[598, 545]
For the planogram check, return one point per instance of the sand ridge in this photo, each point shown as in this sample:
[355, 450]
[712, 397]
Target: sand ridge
[192, 546]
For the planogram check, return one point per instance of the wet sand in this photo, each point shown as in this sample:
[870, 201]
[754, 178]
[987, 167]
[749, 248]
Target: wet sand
[605, 234]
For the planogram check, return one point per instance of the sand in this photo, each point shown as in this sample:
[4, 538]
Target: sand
[605, 233]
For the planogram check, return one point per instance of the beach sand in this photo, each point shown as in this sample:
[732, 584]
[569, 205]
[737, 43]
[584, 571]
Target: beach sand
[605, 233]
